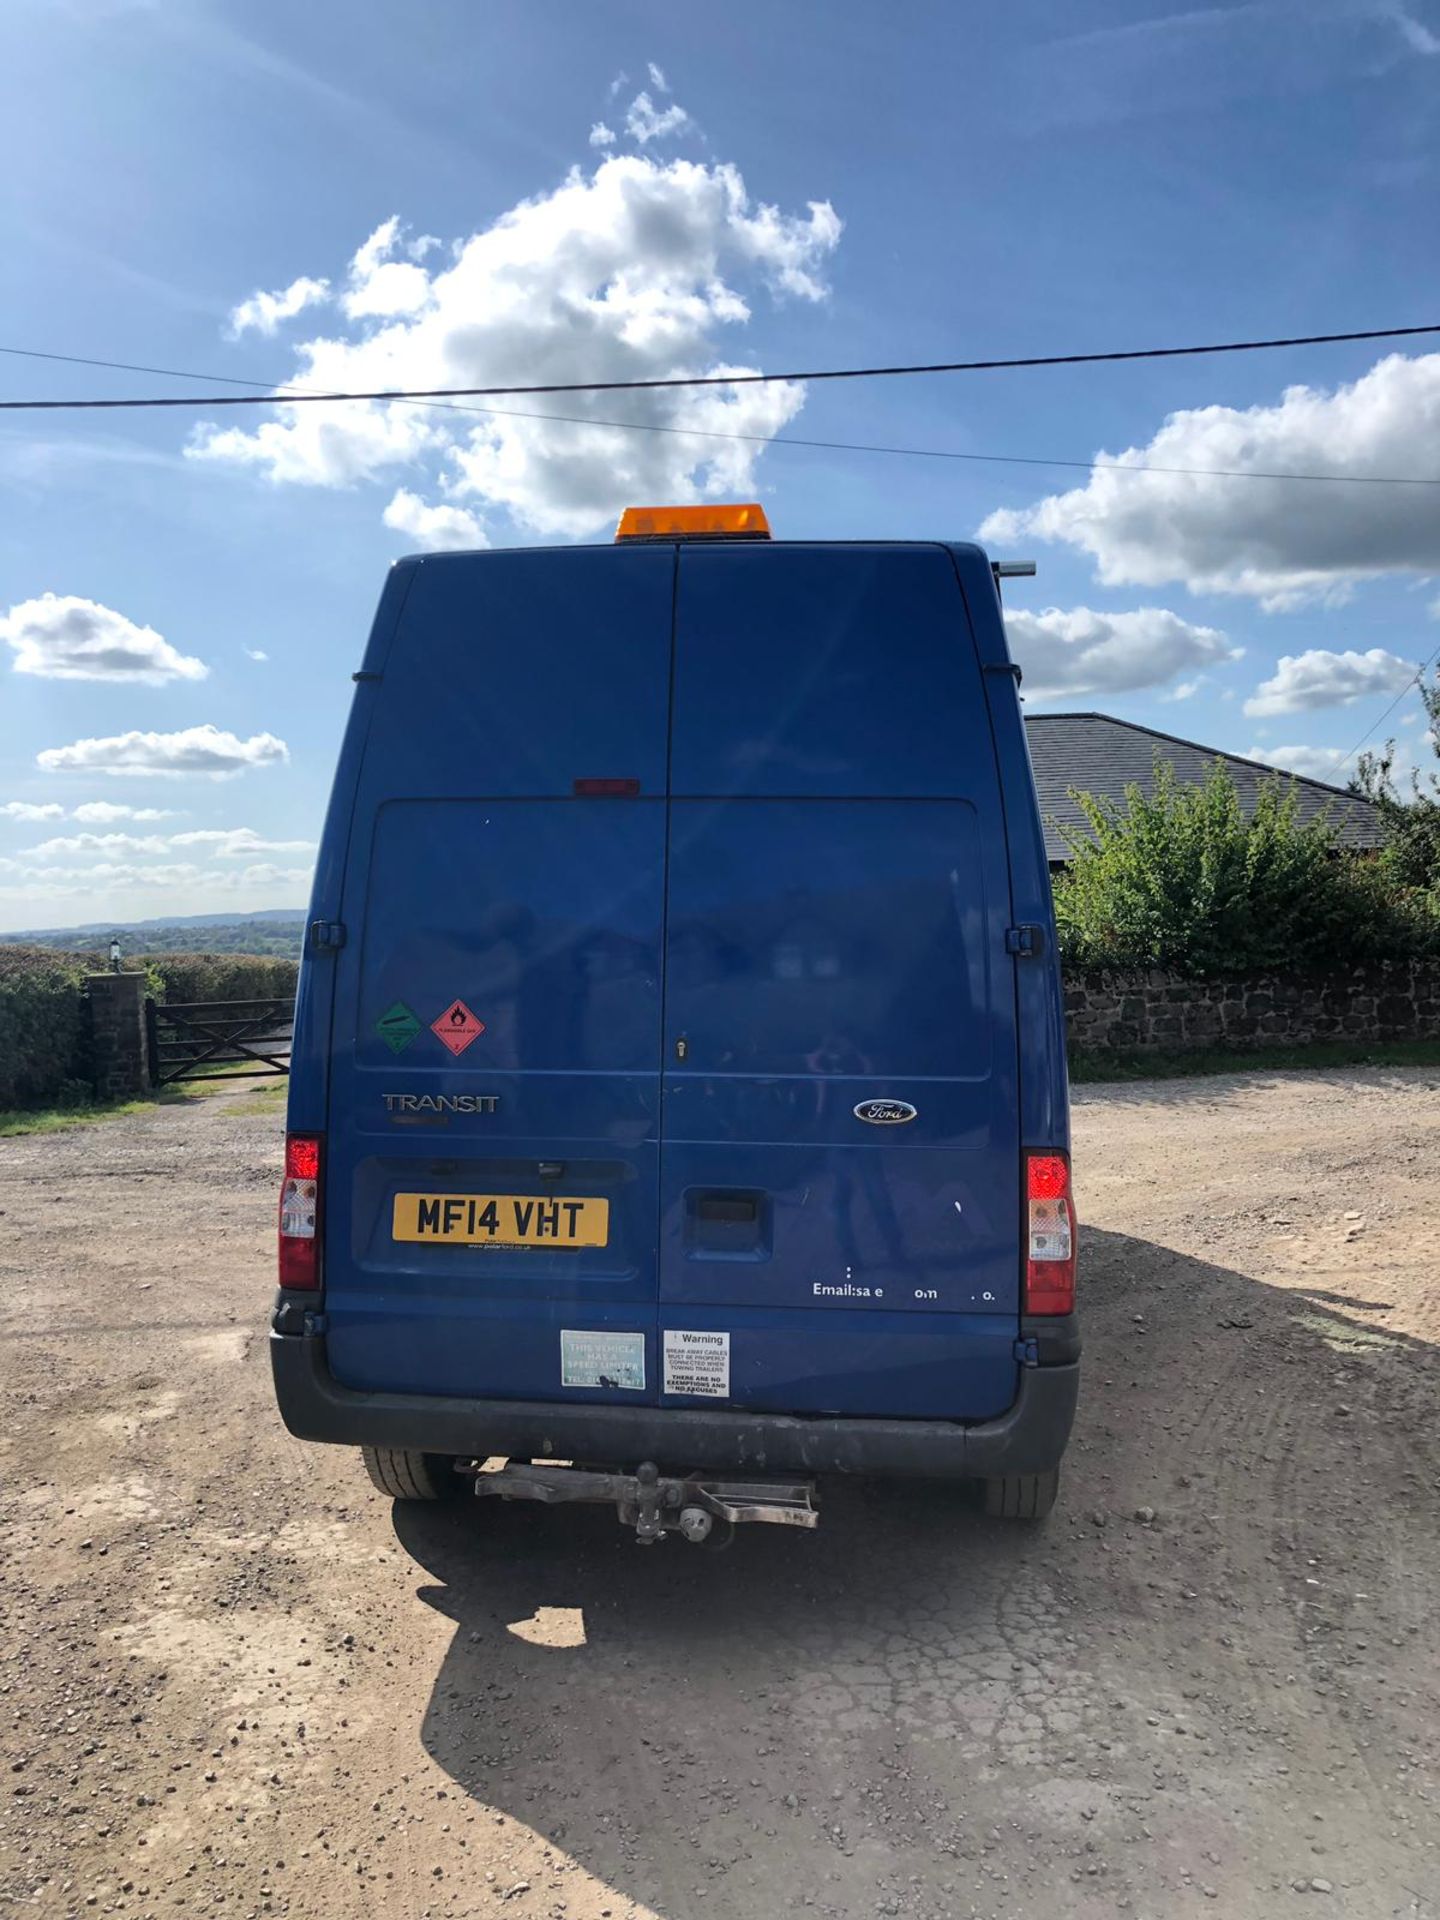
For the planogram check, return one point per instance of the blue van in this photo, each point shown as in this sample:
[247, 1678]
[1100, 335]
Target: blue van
[678, 1106]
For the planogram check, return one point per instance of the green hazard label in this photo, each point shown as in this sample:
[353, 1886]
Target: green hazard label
[397, 1027]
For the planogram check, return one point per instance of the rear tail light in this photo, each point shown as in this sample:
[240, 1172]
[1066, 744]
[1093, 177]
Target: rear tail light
[1050, 1228]
[300, 1212]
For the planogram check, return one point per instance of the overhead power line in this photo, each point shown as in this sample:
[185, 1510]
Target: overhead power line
[1375, 725]
[277, 393]
[295, 397]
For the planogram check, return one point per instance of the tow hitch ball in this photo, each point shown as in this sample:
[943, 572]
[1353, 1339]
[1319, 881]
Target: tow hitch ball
[653, 1503]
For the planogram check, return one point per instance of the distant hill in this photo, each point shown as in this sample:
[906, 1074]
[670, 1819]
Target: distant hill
[276, 931]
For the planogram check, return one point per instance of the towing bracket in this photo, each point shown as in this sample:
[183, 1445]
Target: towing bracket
[654, 1504]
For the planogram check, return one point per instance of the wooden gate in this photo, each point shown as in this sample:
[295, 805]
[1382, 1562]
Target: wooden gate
[217, 1039]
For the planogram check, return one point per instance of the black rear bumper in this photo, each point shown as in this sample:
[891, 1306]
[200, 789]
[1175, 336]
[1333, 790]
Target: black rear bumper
[1029, 1438]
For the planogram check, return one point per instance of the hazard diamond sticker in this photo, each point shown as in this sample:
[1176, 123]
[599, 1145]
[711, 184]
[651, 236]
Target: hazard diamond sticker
[457, 1027]
[397, 1027]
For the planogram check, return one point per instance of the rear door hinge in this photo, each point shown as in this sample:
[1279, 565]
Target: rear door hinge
[1027, 1352]
[327, 935]
[1028, 940]
[316, 1323]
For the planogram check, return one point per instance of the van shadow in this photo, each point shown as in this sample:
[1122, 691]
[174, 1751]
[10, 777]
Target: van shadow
[819, 1719]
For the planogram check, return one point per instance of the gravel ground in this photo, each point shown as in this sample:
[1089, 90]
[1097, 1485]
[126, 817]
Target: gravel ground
[238, 1682]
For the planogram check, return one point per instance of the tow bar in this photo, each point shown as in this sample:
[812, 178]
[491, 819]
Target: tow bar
[651, 1502]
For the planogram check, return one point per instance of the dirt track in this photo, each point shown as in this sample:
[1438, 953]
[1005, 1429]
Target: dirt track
[238, 1683]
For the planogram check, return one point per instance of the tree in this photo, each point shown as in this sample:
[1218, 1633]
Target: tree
[1411, 855]
[1184, 879]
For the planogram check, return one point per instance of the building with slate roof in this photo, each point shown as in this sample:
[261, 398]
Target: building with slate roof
[1099, 755]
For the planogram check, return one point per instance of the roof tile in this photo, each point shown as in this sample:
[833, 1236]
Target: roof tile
[1102, 756]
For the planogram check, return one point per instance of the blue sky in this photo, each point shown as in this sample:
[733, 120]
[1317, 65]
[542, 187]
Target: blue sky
[454, 192]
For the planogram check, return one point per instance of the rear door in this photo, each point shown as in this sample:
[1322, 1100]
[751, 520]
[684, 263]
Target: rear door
[840, 1182]
[492, 1185]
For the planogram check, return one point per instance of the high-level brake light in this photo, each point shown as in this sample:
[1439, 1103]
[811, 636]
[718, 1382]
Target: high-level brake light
[693, 523]
[1050, 1228]
[300, 1211]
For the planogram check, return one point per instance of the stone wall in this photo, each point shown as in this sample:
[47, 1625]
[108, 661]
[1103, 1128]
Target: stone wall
[1158, 1012]
[119, 1061]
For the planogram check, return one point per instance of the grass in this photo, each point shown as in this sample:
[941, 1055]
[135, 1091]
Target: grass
[57, 1119]
[1086, 1068]
[257, 1100]
[263, 1100]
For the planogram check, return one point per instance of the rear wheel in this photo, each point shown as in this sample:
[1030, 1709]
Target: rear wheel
[411, 1476]
[1022, 1496]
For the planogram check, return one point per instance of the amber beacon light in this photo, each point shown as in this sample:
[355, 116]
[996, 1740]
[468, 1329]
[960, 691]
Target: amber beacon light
[694, 523]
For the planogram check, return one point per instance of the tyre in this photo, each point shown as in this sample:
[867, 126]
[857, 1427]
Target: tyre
[1021, 1496]
[410, 1476]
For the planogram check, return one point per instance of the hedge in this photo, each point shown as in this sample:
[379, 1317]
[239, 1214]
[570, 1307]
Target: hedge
[45, 1024]
[223, 976]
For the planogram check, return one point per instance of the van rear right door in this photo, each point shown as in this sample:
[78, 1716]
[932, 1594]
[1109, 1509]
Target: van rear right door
[839, 1179]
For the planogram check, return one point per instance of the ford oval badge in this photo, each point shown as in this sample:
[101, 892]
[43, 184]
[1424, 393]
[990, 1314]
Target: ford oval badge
[885, 1113]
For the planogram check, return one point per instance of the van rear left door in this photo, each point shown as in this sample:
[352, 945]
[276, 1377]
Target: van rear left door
[497, 1011]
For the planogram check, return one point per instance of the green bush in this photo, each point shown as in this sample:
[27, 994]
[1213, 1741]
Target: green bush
[1183, 879]
[223, 976]
[44, 1024]
[1411, 855]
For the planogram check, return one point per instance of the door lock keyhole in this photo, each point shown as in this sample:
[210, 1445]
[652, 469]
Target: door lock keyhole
[682, 1047]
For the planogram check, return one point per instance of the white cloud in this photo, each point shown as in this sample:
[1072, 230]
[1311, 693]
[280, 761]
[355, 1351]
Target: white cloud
[601, 135]
[631, 272]
[1077, 650]
[657, 77]
[119, 890]
[1416, 35]
[104, 812]
[265, 311]
[266, 875]
[61, 637]
[1314, 763]
[644, 121]
[106, 843]
[1303, 682]
[207, 751]
[1186, 690]
[435, 526]
[1281, 541]
[91, 812]
[31, 810]
[237, 843]
[381, 286]
[104, 872]
[256, 653]
[219, 843]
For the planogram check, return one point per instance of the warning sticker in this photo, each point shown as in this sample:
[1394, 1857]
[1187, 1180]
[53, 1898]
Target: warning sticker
[697, 1363]
[397, 1026]
[602, 1360]
[456, 1027]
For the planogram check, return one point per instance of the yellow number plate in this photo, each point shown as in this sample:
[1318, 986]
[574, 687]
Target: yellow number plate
[501, 1219]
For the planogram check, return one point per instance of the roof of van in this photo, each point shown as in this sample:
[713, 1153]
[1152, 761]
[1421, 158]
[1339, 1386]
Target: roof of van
[1101, 755]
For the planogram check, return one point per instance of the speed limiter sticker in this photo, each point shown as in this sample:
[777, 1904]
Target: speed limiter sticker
[697, 1364]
